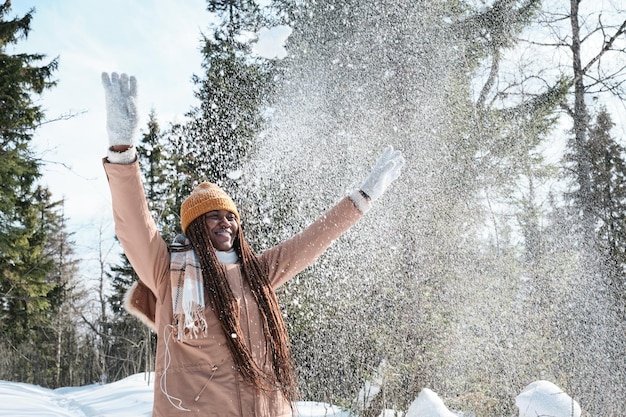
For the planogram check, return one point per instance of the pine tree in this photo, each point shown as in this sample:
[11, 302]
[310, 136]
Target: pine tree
[48, 356]
[592, 327]
[24, 264]
[37, 265]
[608, 188]
[154, 157]
[219, 138]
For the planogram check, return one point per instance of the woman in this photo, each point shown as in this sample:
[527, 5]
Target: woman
[222, 345]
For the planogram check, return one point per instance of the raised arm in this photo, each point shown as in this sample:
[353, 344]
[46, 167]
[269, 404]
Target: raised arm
[134, 226]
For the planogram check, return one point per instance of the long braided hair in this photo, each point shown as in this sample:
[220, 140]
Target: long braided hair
[225, 305]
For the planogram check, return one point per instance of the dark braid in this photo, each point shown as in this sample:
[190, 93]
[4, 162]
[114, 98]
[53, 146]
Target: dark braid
[226, 308]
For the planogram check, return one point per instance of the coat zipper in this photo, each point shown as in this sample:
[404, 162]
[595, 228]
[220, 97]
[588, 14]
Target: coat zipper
[214, 369]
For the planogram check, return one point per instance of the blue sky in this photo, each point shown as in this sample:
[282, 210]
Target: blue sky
[158, 41]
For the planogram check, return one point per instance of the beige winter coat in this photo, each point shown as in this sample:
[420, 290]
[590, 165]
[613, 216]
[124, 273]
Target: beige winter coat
[200, 376]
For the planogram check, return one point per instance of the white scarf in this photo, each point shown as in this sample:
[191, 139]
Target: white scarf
[188, 290]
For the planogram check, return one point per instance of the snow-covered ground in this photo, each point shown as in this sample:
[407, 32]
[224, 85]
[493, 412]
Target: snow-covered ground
[132, 397]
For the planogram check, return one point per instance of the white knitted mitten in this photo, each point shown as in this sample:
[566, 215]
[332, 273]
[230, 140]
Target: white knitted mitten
[387, 169]
[120, 94]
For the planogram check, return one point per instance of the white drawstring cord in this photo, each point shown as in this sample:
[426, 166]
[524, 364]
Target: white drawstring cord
[166, 364]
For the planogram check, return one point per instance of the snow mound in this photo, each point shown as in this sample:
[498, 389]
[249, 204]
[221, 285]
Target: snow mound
[130, 397]
[543, 398]
[428, 404]
[17, 399]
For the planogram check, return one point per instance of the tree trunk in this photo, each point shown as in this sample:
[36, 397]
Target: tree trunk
[580, 118]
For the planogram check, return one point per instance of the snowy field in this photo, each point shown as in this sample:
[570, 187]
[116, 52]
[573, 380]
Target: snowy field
[132, 397]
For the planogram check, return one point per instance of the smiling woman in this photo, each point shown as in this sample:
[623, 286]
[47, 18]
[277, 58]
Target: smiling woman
[229, 355]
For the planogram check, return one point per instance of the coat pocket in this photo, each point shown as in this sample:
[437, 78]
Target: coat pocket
[208, 390]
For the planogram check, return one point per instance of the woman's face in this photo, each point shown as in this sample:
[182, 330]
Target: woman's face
[223, 228]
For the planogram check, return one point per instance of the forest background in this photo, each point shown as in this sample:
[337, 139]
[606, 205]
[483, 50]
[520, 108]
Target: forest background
[497, 260]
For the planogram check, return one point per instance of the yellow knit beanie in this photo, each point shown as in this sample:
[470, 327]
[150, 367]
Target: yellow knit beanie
[204, 198]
